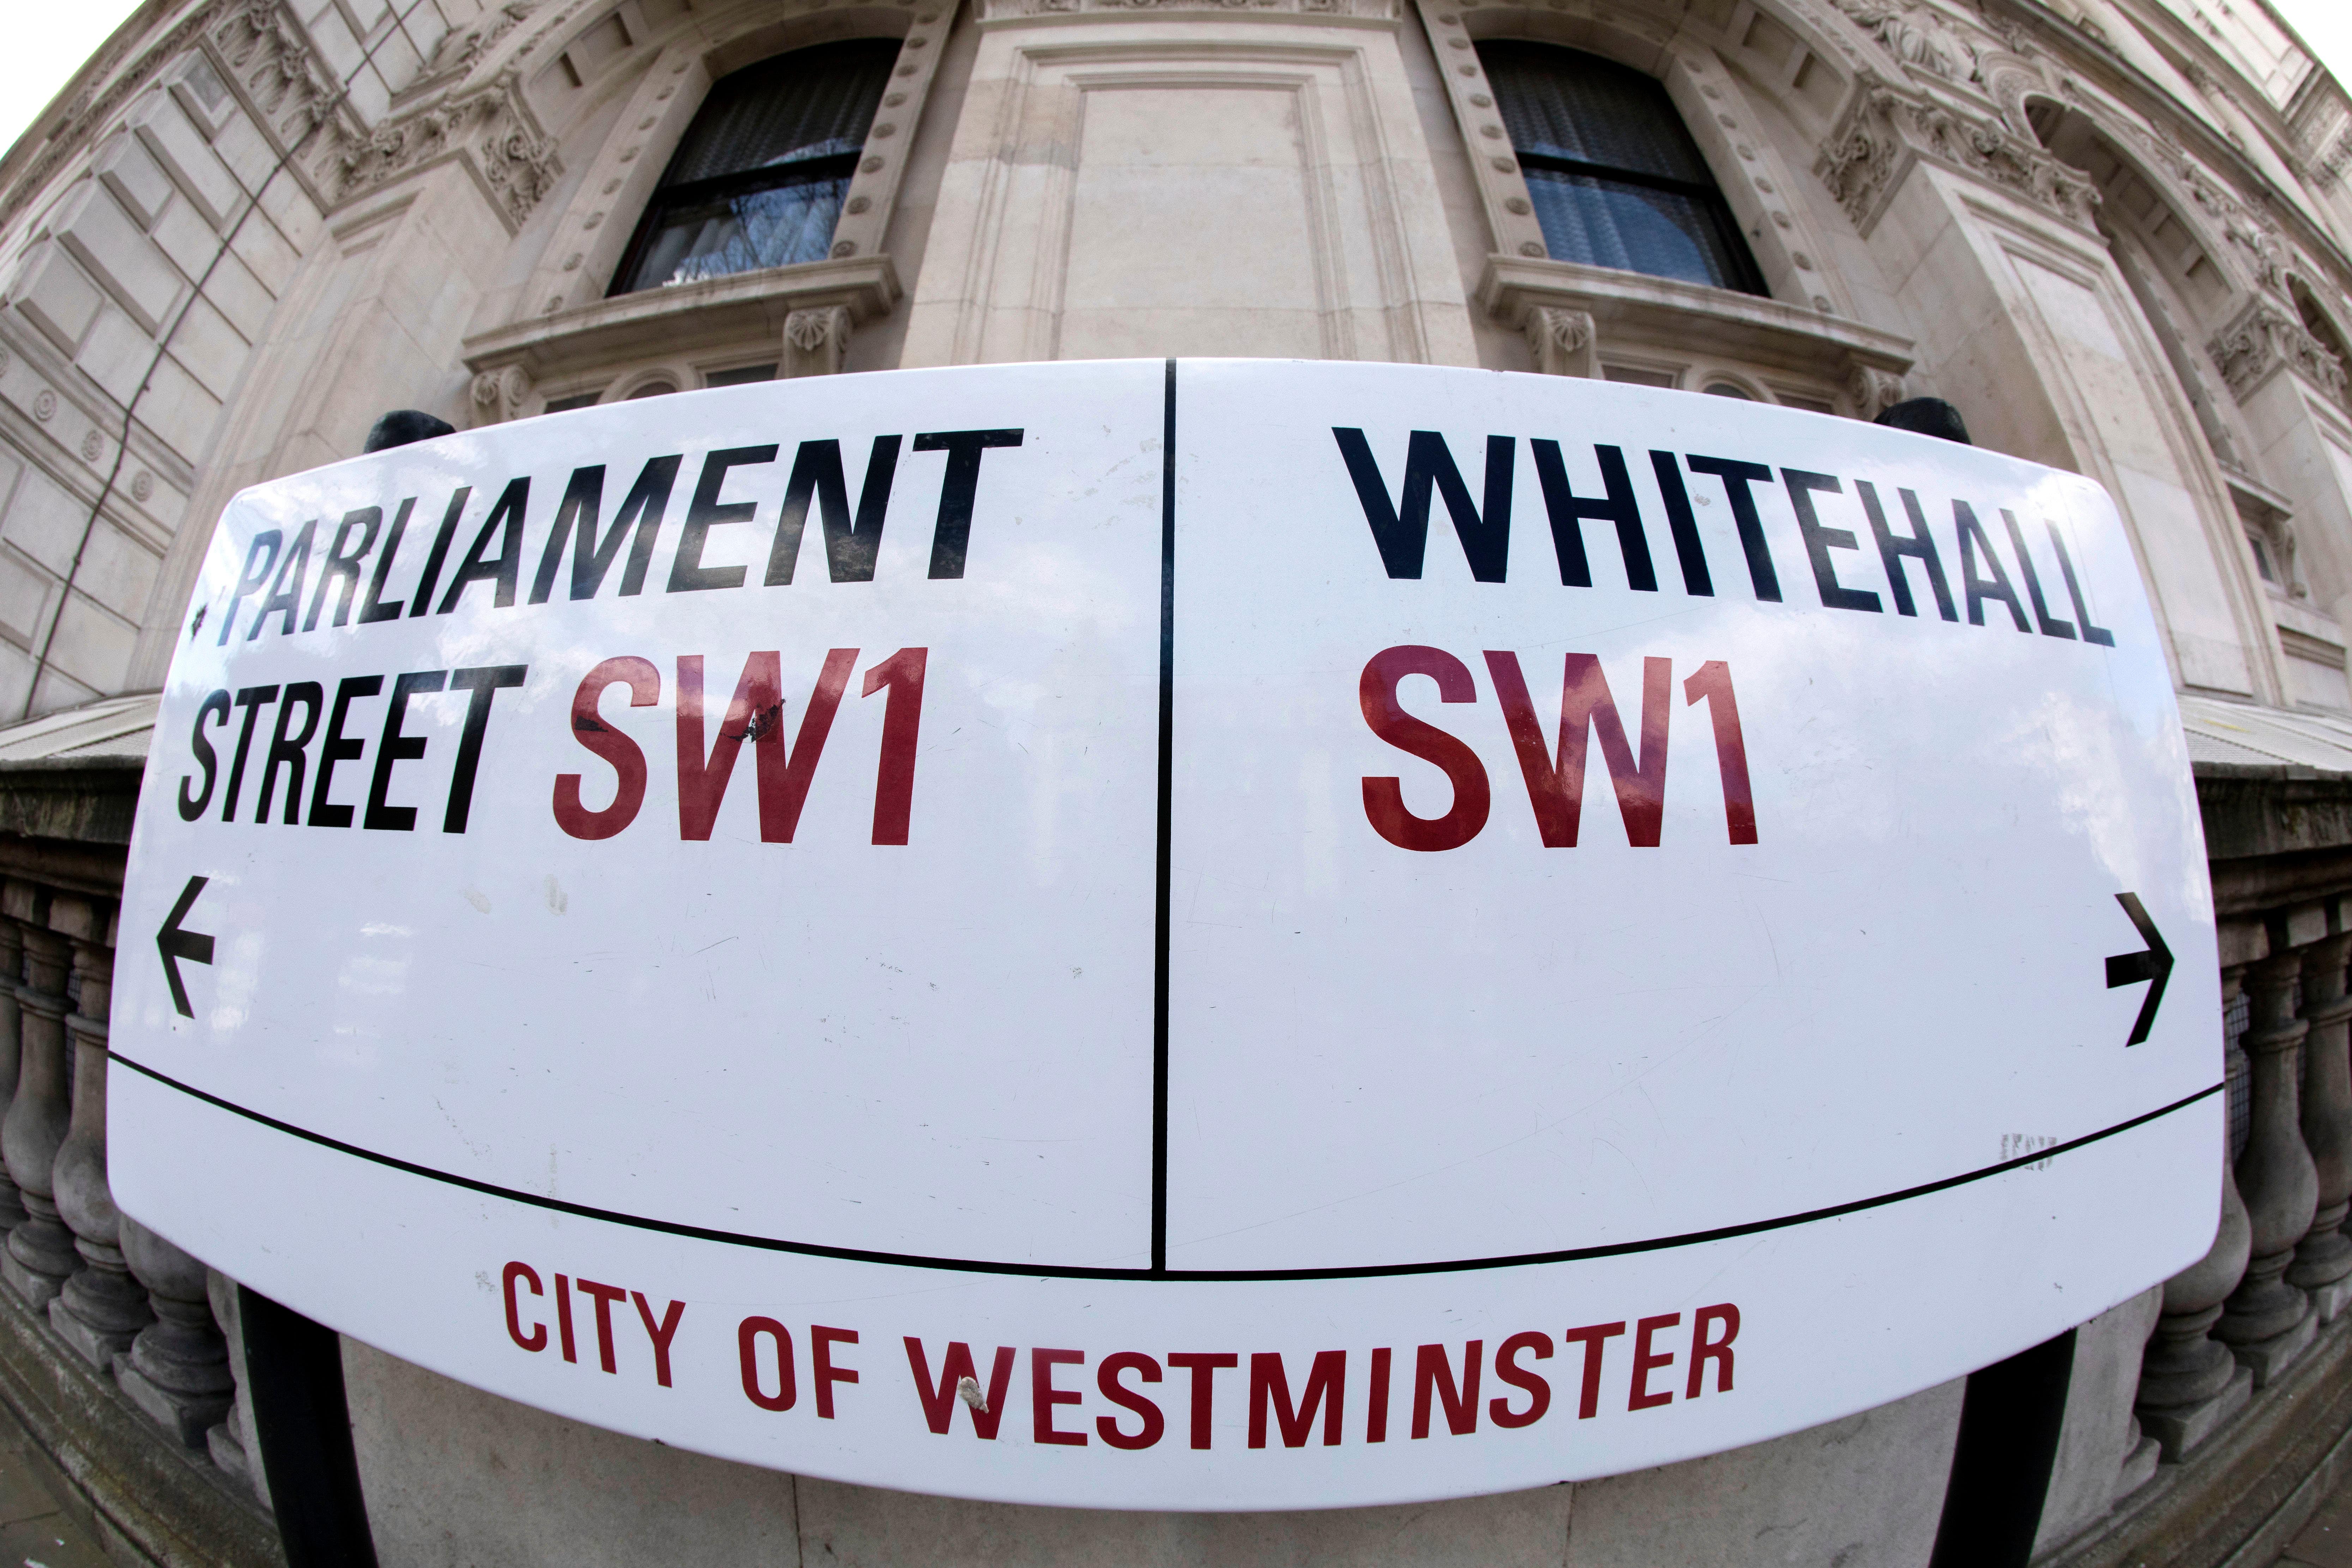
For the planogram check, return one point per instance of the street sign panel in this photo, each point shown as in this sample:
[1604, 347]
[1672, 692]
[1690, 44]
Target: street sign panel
[1202, 935]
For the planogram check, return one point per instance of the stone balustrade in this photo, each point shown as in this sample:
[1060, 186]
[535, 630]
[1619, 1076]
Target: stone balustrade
[135, 1308]
[2280, 1269]
[104, 1292]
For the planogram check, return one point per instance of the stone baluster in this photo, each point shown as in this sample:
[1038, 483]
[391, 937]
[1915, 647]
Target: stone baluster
[2188, 1383]
[40, 1256]
[2322, 1260]
[101, 1307]
[2267, 1322]
[232, 1444]
[177, 1370]
[12, 974]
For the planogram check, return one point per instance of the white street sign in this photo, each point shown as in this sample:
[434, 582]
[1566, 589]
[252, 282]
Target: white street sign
[1324, 933]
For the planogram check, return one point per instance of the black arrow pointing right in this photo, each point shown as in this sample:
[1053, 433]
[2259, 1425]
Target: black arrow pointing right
[2131, 968]
[175, 944]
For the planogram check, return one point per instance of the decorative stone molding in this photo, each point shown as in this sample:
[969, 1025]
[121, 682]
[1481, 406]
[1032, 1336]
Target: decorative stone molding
[461, 50]
[1563, 341]
[2254, 233]
[500, 394]
[1570, 312]
[816, 341]
[1886, 130]
[820, 302]
[1873, 391]
[1370, 10]
[492, 127]
[1915, 36]
[270, 59]
[2262, 340]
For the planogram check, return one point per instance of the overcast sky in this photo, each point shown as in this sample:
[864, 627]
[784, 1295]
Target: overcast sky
[46, 40]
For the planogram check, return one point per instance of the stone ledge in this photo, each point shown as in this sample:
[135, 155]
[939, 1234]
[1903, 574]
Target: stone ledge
[716, 313]
[2253, 809]
[149, 1502]
[70, 799]
[2249, 1488]
[1634, 309]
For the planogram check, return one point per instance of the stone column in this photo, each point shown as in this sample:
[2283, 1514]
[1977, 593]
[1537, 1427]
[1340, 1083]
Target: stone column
[101, 1307]
[41, 1255]
[177, 1370]
[2322, 1260]
[12, 974]
[2188, 1383]
[2268, 1323]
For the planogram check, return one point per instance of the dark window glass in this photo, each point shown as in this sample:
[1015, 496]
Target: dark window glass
[1615, 177]
[758, 179]
[578, 400]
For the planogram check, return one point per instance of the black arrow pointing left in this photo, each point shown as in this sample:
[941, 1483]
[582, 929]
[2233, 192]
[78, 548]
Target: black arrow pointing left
[175, 944]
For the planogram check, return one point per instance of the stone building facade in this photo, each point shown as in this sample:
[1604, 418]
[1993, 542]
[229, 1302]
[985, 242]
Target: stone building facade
[2115, 233]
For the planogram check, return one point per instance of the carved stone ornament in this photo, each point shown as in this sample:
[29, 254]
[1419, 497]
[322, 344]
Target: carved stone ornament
[2261, 340]
[459, 49]
[499, 394]
[2253, 234]
[1563, 341]
[816, 341]
[1915, 36]
[2329, 167]
[1886, 129]
[1873, 391]
[268, 55]
[491, 124]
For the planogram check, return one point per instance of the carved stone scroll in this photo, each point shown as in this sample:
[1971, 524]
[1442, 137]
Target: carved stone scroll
[2264, 338]
[1564, 341]
[1887, 129]
[816, 341]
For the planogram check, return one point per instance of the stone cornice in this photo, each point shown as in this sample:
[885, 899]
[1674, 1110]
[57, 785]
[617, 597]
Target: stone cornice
[1886, 129]
[1568, 310]
[95, 95]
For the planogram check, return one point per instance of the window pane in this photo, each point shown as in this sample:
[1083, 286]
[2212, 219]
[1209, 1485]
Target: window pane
[1614, 173]
[758, 179]
[1602, 223]
[774, 228]
[1569, 104]
[811, 104]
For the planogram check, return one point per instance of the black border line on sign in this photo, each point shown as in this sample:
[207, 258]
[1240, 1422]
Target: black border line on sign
[1166, 798]
[1189, 1276]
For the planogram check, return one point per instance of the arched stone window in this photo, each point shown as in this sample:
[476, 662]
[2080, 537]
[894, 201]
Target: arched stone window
[1614, 176]
[759, 178]
[2317, 322]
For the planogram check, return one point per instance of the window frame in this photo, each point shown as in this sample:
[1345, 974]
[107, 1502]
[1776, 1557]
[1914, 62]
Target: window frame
[1762, 190]
[1748, 274]
[843, 166]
